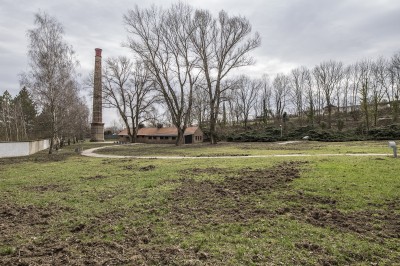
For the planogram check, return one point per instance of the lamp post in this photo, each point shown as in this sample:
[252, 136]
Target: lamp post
[281, 130]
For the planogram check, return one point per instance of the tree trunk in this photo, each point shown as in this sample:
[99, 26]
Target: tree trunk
[180, 138]
[51, 145]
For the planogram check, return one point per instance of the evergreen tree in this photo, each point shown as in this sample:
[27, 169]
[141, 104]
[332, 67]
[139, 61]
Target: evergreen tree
[28, 110]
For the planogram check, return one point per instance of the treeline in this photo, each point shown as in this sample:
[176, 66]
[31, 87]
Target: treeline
[185, 59]
[52, 82]
[22, 120]
[17, 116]
[330, 93]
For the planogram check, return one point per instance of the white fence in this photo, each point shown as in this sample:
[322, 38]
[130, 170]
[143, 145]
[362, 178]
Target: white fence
[14, 149]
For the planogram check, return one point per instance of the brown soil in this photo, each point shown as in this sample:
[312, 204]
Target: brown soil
[208, 202]
[378, 223]
[25, 221]
[48, 187]
[147, 168]
[46, 247]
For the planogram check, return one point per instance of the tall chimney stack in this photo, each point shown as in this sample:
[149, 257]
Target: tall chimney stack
[97, 125]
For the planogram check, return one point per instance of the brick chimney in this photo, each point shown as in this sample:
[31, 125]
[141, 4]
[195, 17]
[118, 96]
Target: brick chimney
[97, 125]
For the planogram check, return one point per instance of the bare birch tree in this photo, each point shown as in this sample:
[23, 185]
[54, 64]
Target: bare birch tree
[52, 70]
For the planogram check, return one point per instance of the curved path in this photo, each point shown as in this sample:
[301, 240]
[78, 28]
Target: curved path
[91, 153]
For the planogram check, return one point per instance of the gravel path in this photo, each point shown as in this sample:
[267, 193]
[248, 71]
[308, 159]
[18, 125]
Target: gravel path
[91, 153]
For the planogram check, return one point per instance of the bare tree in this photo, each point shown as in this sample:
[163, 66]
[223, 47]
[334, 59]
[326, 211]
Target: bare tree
[365, 68]
[127, 87]
[200, 105]
[222, 44]
[328, 75]
[161, 38]
[246, 93]
[266, 96]
[52, 70]
[379, 79]
[346, 87]
[300, 81]
[393, 88]
[280, 88]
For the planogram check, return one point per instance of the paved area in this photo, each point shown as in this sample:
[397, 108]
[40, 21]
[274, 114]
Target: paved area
[91, 153]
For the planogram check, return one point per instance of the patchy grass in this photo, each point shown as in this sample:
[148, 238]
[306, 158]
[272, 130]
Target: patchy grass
[69, 209]
[246, 149]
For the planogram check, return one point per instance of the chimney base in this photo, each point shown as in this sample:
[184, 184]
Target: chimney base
[97, 132]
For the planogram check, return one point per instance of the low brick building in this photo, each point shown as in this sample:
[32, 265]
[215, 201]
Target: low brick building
[164, 135]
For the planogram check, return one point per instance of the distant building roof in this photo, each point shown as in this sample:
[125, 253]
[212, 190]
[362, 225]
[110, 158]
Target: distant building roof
[164, 131]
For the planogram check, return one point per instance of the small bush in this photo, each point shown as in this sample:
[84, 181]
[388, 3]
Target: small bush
[340, 125]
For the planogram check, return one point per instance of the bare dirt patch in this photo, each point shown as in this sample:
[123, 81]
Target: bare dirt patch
[228, 201]
[209, 170]
[209, 202]
[67, 247]
[379, 223]
[147, 168]
[25, 221]
[196, 203]
[47, 187]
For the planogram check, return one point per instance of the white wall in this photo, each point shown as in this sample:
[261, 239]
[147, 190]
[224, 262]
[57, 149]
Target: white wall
[14, 149]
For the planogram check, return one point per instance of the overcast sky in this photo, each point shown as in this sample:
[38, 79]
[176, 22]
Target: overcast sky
[294, 32]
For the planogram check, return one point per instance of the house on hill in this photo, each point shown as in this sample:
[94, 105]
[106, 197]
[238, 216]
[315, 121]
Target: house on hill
[164, 135]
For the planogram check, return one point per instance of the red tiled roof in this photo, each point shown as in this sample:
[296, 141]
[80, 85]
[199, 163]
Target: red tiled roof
[164, 131]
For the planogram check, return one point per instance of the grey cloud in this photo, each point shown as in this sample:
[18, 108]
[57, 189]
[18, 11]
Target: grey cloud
[294, 32]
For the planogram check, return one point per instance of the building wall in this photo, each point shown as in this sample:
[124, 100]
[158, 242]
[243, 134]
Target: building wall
[157, 139]
[198, 137]
[15, 149]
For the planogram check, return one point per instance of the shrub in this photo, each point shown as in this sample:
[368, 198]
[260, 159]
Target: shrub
[340, 124]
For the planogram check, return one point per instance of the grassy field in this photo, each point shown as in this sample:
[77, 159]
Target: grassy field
[66, 209]
[247, 149]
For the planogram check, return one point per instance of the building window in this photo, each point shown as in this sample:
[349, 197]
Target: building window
[149, 137]
[161, 137]
[173, 138]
